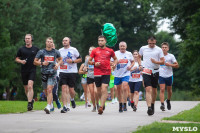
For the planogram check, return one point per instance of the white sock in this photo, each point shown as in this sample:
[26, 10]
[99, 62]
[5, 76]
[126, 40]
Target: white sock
[65, 106]
[72, 99]
[68, 105]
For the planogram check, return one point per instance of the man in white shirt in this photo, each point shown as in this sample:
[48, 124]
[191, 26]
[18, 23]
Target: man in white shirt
[68, 71]
[166, 76]
[152, 58]
[122, 74]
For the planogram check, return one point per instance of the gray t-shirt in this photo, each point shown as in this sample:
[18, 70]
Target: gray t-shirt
[49, 56]
[90, 73]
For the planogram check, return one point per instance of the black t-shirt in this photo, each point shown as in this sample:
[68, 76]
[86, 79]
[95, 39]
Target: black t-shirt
[27, 54]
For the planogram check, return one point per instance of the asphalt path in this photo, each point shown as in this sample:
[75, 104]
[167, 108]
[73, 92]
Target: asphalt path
[82, 120]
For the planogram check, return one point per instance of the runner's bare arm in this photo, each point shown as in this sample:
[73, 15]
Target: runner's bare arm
[81, 69]
[18, 60]
[90, 61]
[132, 64]
[175, 65]
[161, 62]
[59, 63]
[115, 61]
[38, 62]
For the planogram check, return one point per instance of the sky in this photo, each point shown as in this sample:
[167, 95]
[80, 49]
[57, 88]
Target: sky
[163, 25]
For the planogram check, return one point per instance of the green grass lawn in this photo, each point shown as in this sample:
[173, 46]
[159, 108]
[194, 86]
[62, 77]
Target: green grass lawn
[157, 127]
[187, 115]
[192, 115]
[7, 107]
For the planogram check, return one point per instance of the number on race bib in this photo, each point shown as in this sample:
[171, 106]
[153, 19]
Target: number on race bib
[63, 67]
[136, 75]
[147, 71]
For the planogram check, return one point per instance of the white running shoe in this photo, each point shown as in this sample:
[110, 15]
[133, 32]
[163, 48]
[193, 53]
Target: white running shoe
[113, 101]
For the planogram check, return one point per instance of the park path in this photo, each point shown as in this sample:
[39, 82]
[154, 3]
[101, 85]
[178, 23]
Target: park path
[82, 120]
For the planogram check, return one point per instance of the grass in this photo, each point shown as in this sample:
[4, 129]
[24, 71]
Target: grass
[192, 115]
[157, 127]
[7, 107]
[187, 115]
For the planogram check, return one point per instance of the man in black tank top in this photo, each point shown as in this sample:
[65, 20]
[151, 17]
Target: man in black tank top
[25, 56]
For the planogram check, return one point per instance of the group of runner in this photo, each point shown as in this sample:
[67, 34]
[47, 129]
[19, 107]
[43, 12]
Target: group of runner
[100, 68]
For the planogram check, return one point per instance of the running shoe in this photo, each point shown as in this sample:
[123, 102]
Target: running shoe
[125, 108]
[150, 111]
[113, 101]
[168, 104]
[162, 107]
[47, 110]
[116, 101]
[134, 108]
[32, 102]
[73, 104]
[89, 105]
[129, 103]
[64, 110]
[58, 104]
[100, 111]
[132, 104]
[153, 109]
[94, 109]
[52, 109]
[29, 107]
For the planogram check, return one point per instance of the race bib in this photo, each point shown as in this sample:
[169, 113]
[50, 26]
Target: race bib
[49, 58]
[63, 67]
[136, 75]
[147, 71]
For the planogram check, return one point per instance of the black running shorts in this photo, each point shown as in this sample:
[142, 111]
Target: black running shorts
[90, 80]
[151, 80]
[67, 79]
[26, 76]
[103, 79]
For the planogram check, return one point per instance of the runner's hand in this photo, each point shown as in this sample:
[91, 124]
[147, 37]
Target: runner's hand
[45, 63]
[167, 64]
[69, 60]
[129, 68]
[153, 60]
[23, 61]
[56, 67]
[134, 68]
[97, 64]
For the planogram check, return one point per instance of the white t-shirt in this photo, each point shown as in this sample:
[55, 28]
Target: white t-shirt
[124, 60]
[148, 53]
[69, 53]
[166, 71]
[136, 75]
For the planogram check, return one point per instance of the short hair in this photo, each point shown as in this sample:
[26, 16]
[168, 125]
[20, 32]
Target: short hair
[122, 42]
[165, 43]
[135, 51]
[101, 36]
[92, 47]
[152, 38]
[30, 35]
[50, 38]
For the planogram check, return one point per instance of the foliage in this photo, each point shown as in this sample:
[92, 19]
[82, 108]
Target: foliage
[187, 115]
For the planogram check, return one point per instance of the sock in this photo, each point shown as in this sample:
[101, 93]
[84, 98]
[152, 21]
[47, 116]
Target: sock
[68, 105]
[72, 99]
[125, 105]
[65, 106]
[120, 105]
[29, 102]
[168, 100]
[162, 103]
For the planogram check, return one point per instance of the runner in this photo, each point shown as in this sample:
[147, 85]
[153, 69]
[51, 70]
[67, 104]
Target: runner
[135, 81]
[166, 76]
[102, 69]
[68, 71]
[113, 87]
[25, 56]
[122, 74]
[83, 70]
[47, 59]
[55, 89]
[90, 81]
[152, 58]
